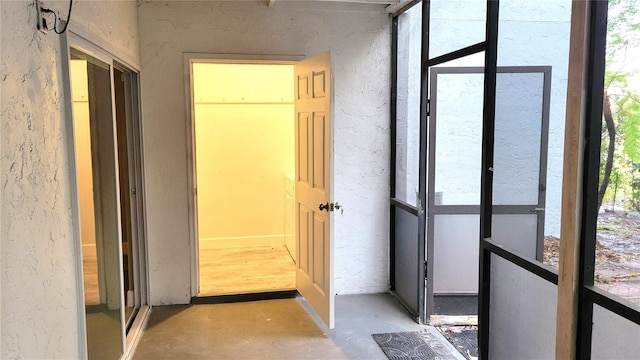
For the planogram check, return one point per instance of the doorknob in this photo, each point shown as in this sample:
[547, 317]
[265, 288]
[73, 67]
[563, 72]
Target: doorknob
[330, 206]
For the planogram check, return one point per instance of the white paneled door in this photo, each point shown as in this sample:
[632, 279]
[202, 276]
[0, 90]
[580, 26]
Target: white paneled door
[314, 278]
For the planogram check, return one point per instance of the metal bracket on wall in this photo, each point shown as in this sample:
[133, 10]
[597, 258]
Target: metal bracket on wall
[46, 17]
[41, 21]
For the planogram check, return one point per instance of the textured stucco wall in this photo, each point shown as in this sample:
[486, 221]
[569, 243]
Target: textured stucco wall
[39, 312]
[531, 33]
[537, 33]
[359, 38]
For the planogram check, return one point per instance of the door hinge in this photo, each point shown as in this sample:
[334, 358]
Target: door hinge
[425, 270]
[428, 107]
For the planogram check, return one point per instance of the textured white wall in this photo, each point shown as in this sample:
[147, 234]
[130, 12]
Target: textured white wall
[39, 312]
[359, 38]
[537, 33]
[531, 33]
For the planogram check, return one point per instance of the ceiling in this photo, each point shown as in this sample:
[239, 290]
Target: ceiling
[392, 5]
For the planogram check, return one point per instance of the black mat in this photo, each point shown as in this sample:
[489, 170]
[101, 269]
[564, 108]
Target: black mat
[412, 345]
[463, 338]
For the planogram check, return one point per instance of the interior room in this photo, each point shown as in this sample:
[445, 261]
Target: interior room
[410, 165]
[244, 161]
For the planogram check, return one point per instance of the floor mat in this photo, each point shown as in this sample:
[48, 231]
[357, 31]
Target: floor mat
[463, 338]
[412, 345]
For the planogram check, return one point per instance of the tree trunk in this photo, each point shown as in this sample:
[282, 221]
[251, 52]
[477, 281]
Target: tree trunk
[611, 130]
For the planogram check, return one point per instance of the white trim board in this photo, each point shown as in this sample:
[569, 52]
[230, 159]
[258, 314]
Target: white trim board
[241, 242]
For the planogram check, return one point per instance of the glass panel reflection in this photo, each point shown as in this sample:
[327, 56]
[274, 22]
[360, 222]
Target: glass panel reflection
[98, 197]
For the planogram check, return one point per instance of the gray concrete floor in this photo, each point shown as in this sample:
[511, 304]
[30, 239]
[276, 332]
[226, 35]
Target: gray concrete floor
[274, 329]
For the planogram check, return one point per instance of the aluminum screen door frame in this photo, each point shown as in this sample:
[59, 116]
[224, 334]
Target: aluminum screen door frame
[407, 221]
[408, 246]
[474, 209]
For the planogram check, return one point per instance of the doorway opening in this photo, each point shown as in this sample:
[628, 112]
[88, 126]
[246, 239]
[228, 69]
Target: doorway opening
[291, 149]
[244, 169]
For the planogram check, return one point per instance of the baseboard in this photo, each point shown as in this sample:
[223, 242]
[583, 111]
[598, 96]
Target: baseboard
[225, 299]
[241, 242]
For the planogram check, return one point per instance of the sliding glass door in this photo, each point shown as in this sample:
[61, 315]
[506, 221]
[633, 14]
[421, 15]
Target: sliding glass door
[108, 173]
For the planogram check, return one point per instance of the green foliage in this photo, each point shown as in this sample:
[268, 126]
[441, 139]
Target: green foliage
[629, 115]
[623, 35]
[622, 25]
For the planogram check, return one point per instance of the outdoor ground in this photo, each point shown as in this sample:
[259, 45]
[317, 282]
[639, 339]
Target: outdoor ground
[617, 254]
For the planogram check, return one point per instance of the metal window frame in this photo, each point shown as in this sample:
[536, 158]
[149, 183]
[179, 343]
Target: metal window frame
[486, 177]
[588, 294]
[395, 203]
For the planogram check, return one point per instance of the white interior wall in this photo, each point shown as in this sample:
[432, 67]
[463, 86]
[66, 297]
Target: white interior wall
[359, 37]
[39, 297]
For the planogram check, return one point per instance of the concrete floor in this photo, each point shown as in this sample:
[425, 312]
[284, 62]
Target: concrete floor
[274, 329]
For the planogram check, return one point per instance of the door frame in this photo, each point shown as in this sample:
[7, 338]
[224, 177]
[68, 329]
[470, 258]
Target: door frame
[188, 60]
[78, 38]
[134, 145]
[413, 213]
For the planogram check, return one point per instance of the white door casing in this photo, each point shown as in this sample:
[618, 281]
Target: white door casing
[314, 280]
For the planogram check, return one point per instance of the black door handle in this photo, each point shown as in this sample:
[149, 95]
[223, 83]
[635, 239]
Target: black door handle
[324, 207]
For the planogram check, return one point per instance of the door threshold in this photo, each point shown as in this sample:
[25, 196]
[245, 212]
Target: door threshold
[453, 320]
[223, 299]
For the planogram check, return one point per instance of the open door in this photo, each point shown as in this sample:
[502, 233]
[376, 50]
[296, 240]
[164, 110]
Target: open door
[520, 164]
[314, 278]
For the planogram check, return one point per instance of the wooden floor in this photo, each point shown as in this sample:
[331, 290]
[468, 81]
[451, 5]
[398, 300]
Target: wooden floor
[246, 270]
[90, 277]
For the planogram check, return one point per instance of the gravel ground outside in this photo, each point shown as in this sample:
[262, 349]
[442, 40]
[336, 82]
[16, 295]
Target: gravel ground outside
[617, 254]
